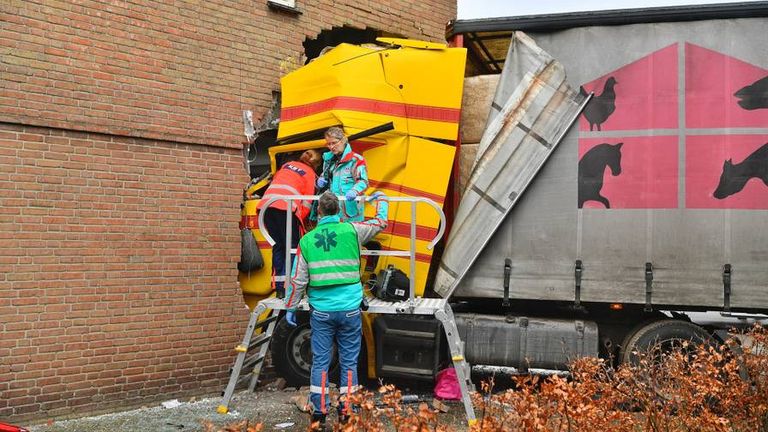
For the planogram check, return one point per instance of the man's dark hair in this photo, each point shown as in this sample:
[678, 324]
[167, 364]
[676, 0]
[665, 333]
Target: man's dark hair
[328, 204]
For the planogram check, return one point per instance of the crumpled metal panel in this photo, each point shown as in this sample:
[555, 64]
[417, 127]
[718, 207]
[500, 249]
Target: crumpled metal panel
[415, 85]
[537, 109]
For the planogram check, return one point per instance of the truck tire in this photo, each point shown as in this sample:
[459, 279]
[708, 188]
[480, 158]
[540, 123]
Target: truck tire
[668, 333]
[291, 351]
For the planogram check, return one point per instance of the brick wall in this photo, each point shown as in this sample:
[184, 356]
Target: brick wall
[181, 72]
[120, 256]
[120, 181]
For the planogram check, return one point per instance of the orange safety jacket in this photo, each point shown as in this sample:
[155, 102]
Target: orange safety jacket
[293, 178]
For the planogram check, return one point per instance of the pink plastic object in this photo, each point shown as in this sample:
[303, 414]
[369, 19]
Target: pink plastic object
[447, 385]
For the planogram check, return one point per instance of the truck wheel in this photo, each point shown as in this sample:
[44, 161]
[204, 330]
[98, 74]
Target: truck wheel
[666, 334]
[291, 350]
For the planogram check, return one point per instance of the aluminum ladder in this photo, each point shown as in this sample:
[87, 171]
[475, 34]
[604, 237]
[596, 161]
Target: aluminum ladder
[437, 307]
[251, 353]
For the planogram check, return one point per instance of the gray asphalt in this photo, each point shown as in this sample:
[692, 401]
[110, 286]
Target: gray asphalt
[277, 410]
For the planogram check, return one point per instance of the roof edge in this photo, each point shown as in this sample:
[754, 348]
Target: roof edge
[562, 21]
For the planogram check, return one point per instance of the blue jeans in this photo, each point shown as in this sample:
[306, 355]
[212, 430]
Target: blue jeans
[345, 328]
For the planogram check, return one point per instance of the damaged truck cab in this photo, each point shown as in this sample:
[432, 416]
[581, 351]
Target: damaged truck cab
[399, 103]
[611, 168]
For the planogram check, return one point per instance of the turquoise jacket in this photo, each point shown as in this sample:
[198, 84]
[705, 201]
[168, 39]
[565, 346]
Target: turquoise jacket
[334, 298]
[348, 172]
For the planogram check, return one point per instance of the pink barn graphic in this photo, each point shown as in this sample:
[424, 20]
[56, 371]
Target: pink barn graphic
[637, 105]
[711, 82]
[646, 94]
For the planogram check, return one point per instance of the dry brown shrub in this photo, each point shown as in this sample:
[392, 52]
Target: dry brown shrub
[404, 417]
[689, 388]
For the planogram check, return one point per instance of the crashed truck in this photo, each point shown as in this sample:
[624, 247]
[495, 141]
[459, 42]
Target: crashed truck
[604, 178]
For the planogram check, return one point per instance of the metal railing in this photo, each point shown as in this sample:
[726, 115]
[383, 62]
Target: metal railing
[411, 253]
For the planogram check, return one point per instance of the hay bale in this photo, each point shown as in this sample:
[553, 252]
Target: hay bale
[475, 105]
[467, 154]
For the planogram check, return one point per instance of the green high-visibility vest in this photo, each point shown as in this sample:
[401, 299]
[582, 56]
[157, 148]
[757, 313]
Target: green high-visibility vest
[332, 254]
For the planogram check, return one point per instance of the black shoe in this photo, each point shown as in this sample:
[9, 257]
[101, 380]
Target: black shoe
[318, 422]
[344, 417]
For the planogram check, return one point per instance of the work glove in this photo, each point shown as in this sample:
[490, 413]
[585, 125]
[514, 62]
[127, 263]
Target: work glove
[376, 196]
[290, 318]
[350, 195]
[321, 183]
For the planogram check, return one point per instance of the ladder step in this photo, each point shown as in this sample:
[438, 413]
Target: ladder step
[241, 379]
[264, 322]
[253, 361]
[259, 340]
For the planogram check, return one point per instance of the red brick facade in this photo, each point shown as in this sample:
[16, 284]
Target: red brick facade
[120, 181]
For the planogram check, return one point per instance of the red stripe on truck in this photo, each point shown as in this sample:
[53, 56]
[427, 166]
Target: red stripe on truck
[397, 109]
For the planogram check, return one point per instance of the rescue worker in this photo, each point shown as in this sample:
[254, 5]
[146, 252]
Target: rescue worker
[293, 178]
[344, 173]
[328, 266]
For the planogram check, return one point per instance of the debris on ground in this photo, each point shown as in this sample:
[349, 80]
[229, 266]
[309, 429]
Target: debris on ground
[281, 384]
[301, 400]
[440, 405]
[173, 403]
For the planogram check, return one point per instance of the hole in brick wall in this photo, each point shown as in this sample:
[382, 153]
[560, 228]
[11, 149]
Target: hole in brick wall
[257, 160]
[338, 35]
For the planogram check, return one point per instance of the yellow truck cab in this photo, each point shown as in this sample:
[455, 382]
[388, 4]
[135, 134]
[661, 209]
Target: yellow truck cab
[405, 97]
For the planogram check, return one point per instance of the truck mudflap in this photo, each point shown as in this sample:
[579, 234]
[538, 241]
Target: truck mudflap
[534, 108]
[526, 342]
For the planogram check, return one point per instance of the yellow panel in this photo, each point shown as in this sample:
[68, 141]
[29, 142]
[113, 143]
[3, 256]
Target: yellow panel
[257, 283]
[428, 78]
[412, 43]
[252, 300]
[370, 344]
[423, 172]
[362, 87]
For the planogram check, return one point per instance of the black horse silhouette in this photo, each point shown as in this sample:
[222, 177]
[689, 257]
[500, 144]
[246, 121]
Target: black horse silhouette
[592, 168]
[735, 176]
[754, 96]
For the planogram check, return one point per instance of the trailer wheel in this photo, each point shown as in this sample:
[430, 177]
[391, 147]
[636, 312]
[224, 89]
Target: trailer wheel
[291, 351]
[665, 334]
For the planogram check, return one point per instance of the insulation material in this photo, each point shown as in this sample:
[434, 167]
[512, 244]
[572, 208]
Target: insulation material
[475, 105]
[467, 156]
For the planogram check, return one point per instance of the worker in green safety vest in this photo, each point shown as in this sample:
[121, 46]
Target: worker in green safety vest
[328, 266]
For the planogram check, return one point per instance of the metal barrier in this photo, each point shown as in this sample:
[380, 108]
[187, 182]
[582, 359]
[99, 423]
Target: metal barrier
[411, 254]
